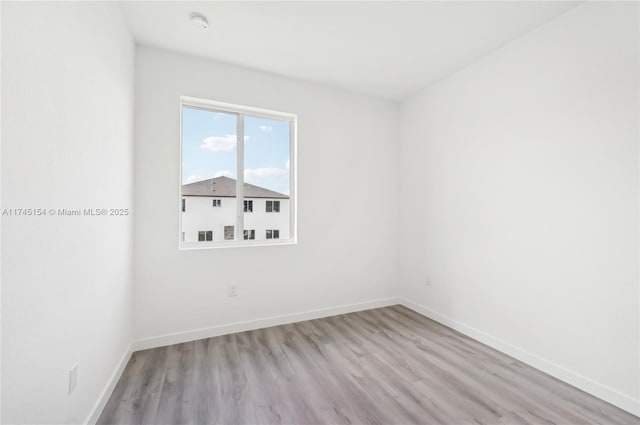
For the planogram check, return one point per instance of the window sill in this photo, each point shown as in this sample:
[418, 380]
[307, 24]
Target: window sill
[188, 246]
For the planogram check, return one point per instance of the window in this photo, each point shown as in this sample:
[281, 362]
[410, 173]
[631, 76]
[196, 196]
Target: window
[205, 236]
[245, 156]
[273, 206]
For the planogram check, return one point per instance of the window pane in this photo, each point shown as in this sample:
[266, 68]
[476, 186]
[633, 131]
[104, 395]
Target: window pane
[200, 236]
[229, 233]
[267, 173]
[211, 142]
[209, 173]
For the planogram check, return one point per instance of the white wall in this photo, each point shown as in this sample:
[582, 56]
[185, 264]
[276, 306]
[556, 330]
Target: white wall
[520, 199]
[348, 219]
[67, 142]
[200, 215]
[260, 220]
[1, 67]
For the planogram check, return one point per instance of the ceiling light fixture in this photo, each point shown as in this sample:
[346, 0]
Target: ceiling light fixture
[199, 20]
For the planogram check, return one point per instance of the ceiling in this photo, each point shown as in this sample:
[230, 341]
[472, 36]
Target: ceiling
[385, 49]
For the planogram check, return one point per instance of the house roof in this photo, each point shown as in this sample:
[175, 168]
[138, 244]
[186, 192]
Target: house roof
[225, 187]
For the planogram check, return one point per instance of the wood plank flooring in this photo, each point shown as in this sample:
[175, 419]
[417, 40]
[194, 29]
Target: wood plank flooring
[384, 366]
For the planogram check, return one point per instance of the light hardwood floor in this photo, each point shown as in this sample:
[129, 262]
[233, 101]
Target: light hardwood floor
[384, 366]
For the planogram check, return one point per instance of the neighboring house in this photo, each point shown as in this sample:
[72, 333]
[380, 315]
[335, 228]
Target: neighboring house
[209, 211]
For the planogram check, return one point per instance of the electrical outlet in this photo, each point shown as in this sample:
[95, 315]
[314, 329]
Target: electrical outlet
[73, 378]
[233, 290]
[427, 281]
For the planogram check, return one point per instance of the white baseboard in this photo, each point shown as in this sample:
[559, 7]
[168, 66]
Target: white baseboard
[176, 338]
[248, 325]
[108, 389]
[575, 379]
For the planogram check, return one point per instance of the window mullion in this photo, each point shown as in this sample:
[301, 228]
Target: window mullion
[240, 179]
[293, 184]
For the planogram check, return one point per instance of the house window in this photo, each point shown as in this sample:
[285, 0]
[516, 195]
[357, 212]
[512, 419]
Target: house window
[184, 205]
[273, 234]
[244, 155]
[205, 236]
[272, 206]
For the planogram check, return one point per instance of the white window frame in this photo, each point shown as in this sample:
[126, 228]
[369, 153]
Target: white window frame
[240, 111]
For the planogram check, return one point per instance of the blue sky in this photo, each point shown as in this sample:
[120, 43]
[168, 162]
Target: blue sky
[209, 149]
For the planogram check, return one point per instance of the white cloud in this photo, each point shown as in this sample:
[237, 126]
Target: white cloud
[221, 173]
[224, 143]
[262, 173]
[194, 178]
[266, 128]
